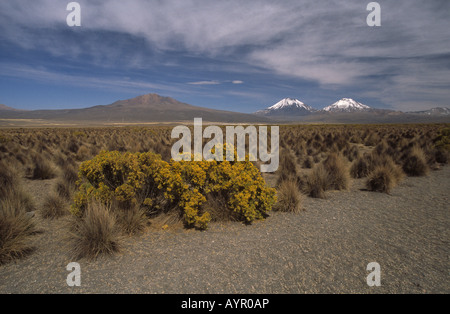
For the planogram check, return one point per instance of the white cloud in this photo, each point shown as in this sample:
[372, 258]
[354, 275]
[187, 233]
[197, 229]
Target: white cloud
[205, 83]
[323, 42]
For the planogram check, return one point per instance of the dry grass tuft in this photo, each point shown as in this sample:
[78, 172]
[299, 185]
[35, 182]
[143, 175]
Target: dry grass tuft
[415, 162]
[42, 170]
[16, 230]
[385, 176]
[54, 207]
[289, 197]
[381, 180]
[132, 221]
[362, 166]
[338, 173]
[96, 233]
[11, 190]
[317, 182]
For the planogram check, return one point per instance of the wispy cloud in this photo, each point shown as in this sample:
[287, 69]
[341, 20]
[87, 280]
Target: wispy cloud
[111, 83]
[204, 83]
[402, 62]
[236, 82]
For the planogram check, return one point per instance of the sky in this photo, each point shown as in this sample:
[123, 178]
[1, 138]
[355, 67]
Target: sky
[232, 55]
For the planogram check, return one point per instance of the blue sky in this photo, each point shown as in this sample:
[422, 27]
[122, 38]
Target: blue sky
[232, 55]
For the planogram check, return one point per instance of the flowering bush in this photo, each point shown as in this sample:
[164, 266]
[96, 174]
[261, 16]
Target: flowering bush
[146, 180]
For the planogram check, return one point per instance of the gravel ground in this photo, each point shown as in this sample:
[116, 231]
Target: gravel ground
[324, 249]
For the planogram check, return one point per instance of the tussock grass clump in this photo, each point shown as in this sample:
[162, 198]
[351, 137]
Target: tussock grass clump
[83, 153]
[132, 221]
[66, 186]
[70, 174]
[43, 169]
[415, 162]
[96, 233]
[442, 156]
[317, 182]
[308, 163]
[54, 207]
[442, 146]
[64, 190]
[288, 168]
[16, 231]
[384, 177]
[338, 173]
[289, 197]
[381, 147]
[362, 166]
[8, 181]
[372, 139]
[10, 189]
[352, 153]
[72, 145]
[381, 180]
[366, 164]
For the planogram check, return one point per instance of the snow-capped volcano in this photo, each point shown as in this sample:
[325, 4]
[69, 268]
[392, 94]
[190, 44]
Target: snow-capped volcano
[346, 105]
[289, 103]
[287, 107]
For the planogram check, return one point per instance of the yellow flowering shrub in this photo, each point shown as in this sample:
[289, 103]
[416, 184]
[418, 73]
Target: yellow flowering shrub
[145, 179]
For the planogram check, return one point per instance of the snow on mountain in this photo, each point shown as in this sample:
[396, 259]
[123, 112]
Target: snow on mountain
[287, 106]
[346, 105]
[289, 103]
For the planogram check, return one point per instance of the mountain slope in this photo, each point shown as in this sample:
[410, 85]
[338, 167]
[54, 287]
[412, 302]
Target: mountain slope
[145, 108]
[439, 111]
[6, 108]
[287, 107]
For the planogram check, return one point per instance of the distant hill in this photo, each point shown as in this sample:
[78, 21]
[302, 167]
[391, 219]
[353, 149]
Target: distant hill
[439, 111]
[141, 109]
[153, 108]
[6, 108]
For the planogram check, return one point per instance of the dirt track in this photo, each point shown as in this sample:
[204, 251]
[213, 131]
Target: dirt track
[324, 249]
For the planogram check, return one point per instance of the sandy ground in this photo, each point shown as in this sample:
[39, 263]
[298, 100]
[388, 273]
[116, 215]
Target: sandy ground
[324, 249]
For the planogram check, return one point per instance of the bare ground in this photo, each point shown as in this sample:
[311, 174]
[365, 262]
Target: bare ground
[324, 249]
